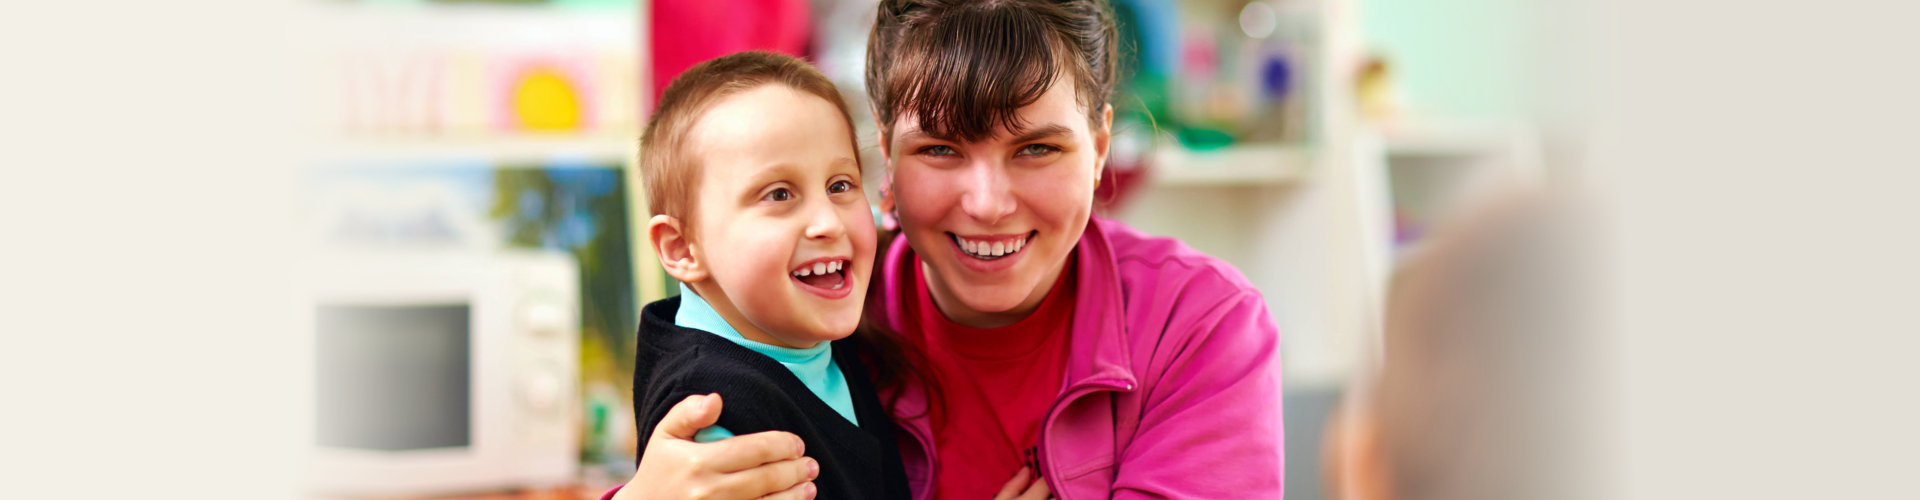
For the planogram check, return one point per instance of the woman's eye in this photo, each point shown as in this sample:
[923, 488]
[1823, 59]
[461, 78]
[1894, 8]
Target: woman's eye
[781, 194]
[839, 187]
[937, 150]
[1037, 150]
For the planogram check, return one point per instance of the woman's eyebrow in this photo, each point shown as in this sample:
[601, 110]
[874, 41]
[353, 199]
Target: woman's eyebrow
[1044, 132]
[919, 133]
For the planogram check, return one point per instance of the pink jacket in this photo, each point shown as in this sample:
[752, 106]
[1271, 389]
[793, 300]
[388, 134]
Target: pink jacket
[1172, 386]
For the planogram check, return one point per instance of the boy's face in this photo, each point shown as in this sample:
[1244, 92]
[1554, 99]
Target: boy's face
[782, 225]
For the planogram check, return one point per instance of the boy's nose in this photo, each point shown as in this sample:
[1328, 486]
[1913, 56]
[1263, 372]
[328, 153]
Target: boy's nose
[825, 223]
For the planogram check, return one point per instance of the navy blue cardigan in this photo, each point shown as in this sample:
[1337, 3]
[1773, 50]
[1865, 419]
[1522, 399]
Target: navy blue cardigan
[760, 394]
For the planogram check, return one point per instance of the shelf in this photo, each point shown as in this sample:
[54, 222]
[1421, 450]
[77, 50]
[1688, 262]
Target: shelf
[590, 147]
[1242, 165]
[1450, 140]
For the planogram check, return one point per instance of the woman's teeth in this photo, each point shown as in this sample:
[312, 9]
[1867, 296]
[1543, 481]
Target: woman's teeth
[993, 250]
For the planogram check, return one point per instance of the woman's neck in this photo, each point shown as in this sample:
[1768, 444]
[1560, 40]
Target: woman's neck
[957, 311]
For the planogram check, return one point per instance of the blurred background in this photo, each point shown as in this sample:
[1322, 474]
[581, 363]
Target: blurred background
[1311, 143]
[216, 215]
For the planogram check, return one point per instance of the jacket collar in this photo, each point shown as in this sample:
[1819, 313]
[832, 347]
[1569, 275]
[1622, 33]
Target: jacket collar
[1100, 336]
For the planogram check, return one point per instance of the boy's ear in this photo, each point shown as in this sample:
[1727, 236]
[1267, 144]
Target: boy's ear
[676, 251]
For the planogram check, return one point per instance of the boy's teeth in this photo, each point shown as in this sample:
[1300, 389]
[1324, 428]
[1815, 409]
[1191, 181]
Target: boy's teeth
[821, 268]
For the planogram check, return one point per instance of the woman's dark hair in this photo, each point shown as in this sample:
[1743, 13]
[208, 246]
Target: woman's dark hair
[892, 359]
[964, 67]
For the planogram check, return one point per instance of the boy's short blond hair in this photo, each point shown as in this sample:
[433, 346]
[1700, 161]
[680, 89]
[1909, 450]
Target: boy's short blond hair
[668, 171]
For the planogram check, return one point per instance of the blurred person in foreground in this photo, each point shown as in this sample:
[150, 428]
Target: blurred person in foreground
[1478, 390]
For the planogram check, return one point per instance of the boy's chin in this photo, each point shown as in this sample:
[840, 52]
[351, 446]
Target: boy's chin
[835, 327]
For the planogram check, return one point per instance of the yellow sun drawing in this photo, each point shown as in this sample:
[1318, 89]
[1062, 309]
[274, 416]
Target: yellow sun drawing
[544, 100]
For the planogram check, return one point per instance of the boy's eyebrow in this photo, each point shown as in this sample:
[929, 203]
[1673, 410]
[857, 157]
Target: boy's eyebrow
[783, 170]
[848, 162]
[766, 176]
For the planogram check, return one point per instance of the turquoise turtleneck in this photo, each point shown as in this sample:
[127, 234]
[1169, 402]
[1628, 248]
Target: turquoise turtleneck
[814, 366]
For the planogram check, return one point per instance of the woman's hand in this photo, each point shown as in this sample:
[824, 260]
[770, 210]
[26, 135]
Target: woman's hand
[761, 465]
[1024, 486]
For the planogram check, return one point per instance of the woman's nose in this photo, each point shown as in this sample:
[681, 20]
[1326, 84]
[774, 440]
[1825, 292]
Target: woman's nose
[989, 193]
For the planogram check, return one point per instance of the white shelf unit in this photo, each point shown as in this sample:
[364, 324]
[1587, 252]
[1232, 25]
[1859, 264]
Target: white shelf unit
[466, 42]
[1241, 165]
[601, 148]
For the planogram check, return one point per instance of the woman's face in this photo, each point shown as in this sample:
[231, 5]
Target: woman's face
[994, 220]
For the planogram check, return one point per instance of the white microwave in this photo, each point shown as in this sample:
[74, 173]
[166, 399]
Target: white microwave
[442, 372]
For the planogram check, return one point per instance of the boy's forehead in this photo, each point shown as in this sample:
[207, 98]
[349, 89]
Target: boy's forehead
[765, 130]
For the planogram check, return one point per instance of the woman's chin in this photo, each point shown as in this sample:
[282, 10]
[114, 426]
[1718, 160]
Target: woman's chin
[997, 299]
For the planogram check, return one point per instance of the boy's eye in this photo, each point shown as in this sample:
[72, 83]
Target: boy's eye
[1037, 150]
[937, 150]
[781, 194]
[839, 187]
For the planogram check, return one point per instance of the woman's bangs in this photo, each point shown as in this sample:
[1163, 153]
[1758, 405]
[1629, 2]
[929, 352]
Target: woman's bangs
[965, 77]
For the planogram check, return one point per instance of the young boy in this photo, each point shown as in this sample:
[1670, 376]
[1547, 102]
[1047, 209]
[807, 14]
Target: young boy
[753, 179]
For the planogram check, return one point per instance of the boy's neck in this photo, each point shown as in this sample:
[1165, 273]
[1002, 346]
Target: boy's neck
[722, 304]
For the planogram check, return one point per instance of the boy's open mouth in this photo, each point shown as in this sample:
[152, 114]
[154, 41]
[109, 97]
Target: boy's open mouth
[828, 273]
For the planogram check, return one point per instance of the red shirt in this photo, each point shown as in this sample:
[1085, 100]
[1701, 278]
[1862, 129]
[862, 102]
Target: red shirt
[998, 384]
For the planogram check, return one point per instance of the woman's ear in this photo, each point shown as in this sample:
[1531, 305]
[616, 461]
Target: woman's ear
[1102, 138]
[880, 138]
[676, 251]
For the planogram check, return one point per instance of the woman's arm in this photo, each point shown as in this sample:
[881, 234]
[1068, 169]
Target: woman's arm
[1210, 424]
[760, 465]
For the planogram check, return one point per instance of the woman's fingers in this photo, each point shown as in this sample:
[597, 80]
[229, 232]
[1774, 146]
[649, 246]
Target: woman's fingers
[1039, 491]
[1015, 486]
[770, 479]
[753, 450]
[737, 468]
[688, 417]
[802, 491]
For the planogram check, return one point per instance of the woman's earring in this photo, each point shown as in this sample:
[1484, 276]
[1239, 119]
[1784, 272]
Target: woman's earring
[887, 214]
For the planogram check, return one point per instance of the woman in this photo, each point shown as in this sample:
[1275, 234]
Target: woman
[1049, 341]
